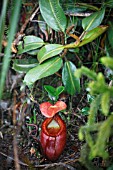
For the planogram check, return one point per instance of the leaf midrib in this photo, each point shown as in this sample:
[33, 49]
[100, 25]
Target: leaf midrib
[55, 16]
[44, 71]
[71, 76]
[90, 23]
[48, 53]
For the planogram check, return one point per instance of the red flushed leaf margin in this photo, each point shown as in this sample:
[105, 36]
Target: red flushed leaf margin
[49, 110]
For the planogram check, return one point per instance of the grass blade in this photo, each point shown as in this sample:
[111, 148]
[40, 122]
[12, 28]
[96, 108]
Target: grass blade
[7, 55]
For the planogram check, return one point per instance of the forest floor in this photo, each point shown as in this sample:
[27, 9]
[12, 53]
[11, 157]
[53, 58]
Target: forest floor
[19, 146]
[20, 137]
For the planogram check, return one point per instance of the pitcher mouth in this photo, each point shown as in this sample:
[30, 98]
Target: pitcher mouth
[53, 126]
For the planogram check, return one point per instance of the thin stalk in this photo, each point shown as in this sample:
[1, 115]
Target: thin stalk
[7, 56]
[91, 7]
[2, 21]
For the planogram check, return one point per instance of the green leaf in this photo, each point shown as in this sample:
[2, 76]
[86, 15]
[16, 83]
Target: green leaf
[53, 14]
[90, 98]
[71, 83]
[109, 3]
[59, 90]
[54, 92]
[107, 61]
[72, 8]
[93, 20]
[88, 37]
[110, 34]
[43, 70]
[24, 65]
[51, 92]
[33, 52]
[92, 35]
[108, 47]
[110, 167]
[85, 111]
[29, 43]
[49, 51]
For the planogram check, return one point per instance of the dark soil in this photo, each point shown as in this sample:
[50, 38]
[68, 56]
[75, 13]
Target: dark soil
[20, 143]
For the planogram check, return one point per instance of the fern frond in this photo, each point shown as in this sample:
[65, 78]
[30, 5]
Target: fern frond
[105, 103]
[87, 72]
[93, 110]
[99, 149]
[108, 62]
